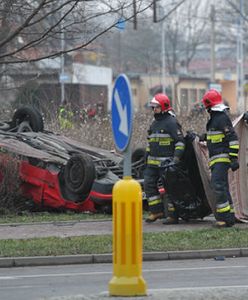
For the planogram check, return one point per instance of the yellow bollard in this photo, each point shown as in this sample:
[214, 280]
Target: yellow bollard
[127, 277]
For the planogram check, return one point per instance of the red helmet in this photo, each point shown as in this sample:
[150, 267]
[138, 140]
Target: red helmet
[161, 100]
[211, 98]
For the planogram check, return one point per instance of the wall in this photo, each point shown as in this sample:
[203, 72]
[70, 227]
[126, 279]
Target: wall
[149, 83]
[145, 84]
[94, 76]
[189, 92]
[229, 94]
[195, 87]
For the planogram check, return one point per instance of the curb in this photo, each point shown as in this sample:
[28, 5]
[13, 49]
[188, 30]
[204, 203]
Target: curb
[218, 254]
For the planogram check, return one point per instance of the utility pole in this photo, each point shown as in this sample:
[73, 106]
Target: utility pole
[62, 59]
[213, 61]
[62, 71]
[163, 57]
[240, 61]
[161, 12]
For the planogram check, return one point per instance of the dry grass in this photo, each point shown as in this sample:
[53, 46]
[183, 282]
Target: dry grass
[11, 200]
[98, 132]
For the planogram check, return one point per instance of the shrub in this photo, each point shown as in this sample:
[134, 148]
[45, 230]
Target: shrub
[11, 199]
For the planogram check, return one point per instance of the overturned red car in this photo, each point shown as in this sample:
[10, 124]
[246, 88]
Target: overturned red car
[58, 172]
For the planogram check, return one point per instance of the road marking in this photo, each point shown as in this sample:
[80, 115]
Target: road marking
[107, 273]
[200, 288]
[196, 268]
[53, 275]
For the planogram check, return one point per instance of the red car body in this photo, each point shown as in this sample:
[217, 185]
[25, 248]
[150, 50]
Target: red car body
[43, 187]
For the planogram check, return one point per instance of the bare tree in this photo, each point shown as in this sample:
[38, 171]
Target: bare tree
[30, 30]
[228, 16]
[133, 50]
[140, 50]
[184, 32]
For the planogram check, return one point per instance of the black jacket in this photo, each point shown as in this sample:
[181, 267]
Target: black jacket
[222, 140]
[165, 138]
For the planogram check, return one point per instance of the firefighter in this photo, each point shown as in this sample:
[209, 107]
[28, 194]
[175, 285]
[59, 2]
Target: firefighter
[223, 148]
[165, 143]
[65, 117]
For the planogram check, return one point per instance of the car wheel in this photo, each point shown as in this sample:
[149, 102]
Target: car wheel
[4, 126]
[138, 162]
[40, 117]
[139, 155]
[29, 115]
[79, 174]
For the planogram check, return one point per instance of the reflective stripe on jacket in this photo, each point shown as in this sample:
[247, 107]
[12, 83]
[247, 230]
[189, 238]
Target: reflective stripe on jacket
[165, 139]
[222, 140]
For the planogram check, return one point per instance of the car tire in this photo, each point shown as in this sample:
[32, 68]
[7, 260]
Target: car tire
[79, 174]
[40, 117]
[139, 154]
[30, 115]
[138, 162]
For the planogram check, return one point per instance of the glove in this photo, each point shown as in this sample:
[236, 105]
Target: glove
[166, 162]
[234, 165]
[190, 136]
[203, 137]
[245, 117]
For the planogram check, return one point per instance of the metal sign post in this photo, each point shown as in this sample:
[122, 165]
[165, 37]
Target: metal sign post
[127, 277]
[122, 117]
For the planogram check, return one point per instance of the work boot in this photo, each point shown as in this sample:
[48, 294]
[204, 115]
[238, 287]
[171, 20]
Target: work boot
[232, 219]
[223, 224]
[226, 219]
[154, 217]
[170, 221]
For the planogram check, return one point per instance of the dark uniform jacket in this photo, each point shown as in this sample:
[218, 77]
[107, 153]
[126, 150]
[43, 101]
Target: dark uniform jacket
[165, 139]
[222, 141]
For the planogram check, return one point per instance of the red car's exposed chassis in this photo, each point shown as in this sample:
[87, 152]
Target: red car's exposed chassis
[43, 187]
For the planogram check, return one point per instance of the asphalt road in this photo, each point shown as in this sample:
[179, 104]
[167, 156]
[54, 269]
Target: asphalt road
[166, 279]
[184, 279]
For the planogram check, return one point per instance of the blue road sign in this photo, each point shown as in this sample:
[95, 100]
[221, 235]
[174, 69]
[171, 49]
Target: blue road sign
[63, 77]
[122, 112]
[121, 24]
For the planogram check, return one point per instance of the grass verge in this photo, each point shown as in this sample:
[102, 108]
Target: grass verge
[166, 241]
[52, 217]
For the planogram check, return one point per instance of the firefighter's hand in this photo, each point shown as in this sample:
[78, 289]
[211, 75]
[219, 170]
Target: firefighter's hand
[203, 137]
[234, 165]
[191, 135]
[245, 117]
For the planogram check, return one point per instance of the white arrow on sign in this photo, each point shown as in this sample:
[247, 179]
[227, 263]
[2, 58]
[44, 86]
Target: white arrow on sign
[122, 113]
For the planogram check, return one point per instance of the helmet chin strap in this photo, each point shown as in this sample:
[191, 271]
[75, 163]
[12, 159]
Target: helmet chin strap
[157, 114]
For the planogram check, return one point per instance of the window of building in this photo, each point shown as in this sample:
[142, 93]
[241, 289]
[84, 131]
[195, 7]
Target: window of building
[201, 93]
[193, 95]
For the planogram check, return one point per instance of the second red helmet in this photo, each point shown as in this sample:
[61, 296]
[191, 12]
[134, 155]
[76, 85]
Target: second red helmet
[211, 98]
[161, 100]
